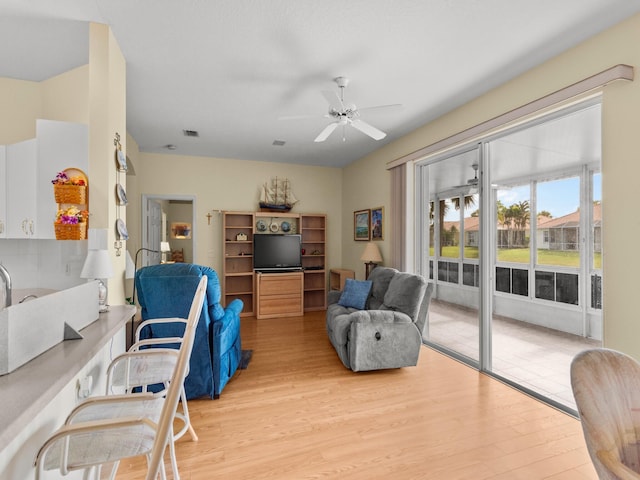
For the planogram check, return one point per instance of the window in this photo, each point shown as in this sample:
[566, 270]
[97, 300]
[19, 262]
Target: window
[562, 227]
[512, 226]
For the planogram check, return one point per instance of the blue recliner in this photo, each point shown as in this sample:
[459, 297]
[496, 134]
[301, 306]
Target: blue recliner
[166, 291]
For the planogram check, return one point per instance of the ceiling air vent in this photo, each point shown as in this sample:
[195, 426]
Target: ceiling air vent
[278, 143]
[190, 133]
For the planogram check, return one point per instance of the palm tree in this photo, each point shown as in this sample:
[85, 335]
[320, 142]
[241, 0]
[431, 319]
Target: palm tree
[519, 216]
[469, 200]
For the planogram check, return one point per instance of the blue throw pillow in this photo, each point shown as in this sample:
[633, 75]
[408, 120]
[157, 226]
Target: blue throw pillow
[355, 293]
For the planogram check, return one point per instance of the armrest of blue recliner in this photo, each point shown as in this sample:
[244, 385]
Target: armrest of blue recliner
[235, 307]
[230, 313]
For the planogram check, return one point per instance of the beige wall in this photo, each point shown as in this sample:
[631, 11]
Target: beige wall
[107, 115]
[367, 184]
[227, 184]
[63, 97]
[620, 163]
[20, 104]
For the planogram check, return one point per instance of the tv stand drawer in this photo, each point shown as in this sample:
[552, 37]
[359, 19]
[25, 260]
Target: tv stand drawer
[279, 294]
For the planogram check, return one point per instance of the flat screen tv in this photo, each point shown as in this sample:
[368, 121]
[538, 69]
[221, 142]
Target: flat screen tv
[276, 252]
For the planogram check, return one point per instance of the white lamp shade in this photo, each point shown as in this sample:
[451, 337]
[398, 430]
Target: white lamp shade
[97, 265]
[164, 247]
[129, 266]
[371, 253]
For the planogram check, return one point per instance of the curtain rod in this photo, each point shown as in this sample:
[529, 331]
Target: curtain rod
[618, 72]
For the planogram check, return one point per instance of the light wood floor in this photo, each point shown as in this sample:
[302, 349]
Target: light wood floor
[297, 413]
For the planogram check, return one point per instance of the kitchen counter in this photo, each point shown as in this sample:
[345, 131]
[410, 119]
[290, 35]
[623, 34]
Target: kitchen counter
[29, 389]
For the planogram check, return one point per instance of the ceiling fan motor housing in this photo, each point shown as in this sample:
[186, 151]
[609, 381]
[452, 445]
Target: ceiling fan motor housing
[341, 81]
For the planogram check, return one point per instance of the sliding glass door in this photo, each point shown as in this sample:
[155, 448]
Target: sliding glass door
[546, 305]
[451, 253]
[518, 281]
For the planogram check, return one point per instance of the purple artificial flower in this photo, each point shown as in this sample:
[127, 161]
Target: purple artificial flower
[69, 219]
[61, 177]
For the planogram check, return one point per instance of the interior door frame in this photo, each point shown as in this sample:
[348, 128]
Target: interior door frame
[151, 197]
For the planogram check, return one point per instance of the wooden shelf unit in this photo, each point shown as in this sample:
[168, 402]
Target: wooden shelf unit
[238, 279]
[237, 268]
[313, 228]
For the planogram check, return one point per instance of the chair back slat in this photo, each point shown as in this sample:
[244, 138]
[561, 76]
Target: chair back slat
[175, 387]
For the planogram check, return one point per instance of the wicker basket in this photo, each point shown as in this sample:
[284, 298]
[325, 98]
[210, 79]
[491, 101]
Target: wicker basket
[70, 194]
[67, 231]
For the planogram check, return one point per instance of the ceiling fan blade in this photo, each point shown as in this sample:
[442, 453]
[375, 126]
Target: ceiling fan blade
[333, 99]
[367, 129]
[380, 107]
[326, 132]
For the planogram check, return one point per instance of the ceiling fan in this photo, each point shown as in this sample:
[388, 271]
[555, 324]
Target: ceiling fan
[345, 114]
[472, 183]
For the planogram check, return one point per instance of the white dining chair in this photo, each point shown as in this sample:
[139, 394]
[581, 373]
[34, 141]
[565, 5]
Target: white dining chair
[103, 430]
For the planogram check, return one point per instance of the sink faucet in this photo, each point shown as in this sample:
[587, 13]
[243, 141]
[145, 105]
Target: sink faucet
[4, 273]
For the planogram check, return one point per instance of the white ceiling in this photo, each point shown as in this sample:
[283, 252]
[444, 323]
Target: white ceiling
[551, 147]
[230, 69]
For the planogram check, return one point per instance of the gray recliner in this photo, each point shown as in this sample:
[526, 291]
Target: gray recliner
[388, 332]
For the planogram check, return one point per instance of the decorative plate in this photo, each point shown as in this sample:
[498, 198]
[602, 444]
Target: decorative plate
[122, 160]
[122, 230]
[261, 226]
[285, 226]
[122, 196]
[274, 227]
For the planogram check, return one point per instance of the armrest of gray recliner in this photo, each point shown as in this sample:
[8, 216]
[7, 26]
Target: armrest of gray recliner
[386, 339]
[333, 296]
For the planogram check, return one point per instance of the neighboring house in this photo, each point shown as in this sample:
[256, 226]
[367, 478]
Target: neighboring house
[560, 233]
[563, 233]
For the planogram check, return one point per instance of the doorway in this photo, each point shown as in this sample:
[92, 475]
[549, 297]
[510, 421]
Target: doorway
[169, 219]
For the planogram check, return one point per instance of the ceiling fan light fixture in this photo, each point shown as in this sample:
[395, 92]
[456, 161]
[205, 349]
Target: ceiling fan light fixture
[342, 82]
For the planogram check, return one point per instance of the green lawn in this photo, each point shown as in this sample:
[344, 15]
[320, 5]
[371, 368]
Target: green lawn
[521, 255]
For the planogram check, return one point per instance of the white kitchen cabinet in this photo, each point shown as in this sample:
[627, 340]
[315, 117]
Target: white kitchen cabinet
[28, 207]
[3, 193]
[61, 145]
[21, 171]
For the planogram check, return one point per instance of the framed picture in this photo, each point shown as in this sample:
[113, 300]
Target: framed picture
[180, 230]
[377, 218]
[361, 229]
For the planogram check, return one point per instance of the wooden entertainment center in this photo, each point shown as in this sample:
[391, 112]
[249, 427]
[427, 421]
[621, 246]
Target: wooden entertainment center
[271, 295]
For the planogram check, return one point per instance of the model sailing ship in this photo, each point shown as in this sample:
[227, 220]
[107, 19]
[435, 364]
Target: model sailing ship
[277, 197]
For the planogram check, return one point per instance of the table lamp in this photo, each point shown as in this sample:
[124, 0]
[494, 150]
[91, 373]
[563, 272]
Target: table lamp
[371, 256]
[98, 266]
